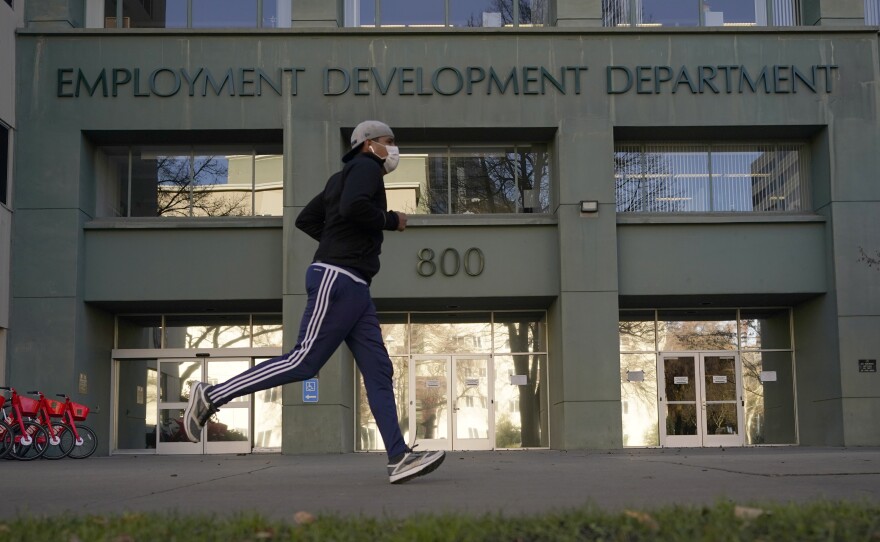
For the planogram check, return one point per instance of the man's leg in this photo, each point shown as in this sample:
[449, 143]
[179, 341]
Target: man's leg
[330, 313]
[365, 342]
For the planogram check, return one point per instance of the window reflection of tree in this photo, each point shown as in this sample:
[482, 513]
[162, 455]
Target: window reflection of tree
[185, 188]
[530, 12]
[522, 336]
[494, 181]
[643, 182]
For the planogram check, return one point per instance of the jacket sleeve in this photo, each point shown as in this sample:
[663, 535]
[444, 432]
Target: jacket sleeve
[361, 184]
[311, 218]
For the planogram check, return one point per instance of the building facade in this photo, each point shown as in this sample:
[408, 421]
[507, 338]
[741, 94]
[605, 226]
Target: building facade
[633, 223]
[11, 17]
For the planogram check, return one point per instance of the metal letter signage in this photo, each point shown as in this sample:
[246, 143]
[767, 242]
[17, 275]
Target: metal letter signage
[244, 81]
[451, 262]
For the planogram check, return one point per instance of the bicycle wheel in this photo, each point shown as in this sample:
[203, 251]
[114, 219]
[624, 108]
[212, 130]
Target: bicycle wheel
[31, 444]
[89, 443]
[62, 444]
[5, 439]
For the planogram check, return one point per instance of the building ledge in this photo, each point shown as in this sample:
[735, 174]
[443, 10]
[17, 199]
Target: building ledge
[716, 218]
[523, 219]
[188, 223]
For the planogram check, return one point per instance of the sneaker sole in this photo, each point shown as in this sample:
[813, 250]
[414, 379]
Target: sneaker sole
[427, 469]
[188, 417]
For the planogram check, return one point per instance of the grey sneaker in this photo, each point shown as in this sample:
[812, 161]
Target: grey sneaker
[413, 464]
[197, 412]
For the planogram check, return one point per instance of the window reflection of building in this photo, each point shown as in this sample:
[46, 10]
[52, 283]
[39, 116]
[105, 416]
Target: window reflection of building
[737, 13]
[722, 177]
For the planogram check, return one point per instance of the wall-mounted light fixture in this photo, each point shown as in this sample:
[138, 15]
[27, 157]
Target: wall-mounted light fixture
[590, 206]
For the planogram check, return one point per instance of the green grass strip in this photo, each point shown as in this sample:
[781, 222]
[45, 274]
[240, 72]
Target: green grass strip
[818, 521]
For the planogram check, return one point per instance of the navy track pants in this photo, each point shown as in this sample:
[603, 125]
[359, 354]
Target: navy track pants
[339, 308]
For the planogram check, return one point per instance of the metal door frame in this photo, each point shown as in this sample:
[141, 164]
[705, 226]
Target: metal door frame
[701, 439]
[204, 447]
[451, 442]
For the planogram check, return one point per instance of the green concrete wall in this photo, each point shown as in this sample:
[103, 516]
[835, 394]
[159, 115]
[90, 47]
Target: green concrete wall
[575, 265]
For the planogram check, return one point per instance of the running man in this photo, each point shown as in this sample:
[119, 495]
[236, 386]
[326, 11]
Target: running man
[347, 219]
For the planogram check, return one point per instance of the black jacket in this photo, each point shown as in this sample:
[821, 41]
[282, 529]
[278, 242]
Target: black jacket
[348, 217]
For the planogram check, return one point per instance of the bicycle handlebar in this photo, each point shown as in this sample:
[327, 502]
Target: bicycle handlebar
[5, 388]
[61, 395]
[32, 392]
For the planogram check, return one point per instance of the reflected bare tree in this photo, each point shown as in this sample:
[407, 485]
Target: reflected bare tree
[642, 182]
[181, 191]
[496, 182]
[519, 335]
[530, 11]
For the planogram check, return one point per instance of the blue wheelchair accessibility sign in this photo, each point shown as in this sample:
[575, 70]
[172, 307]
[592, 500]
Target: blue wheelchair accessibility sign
[310, 390]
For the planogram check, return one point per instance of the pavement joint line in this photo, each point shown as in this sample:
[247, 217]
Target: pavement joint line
[771, 475]
[194, 484]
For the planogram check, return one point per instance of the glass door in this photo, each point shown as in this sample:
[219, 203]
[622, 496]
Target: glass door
[452, 407]
[700, 399]
[429, 408]
[228, 431]
[680, 417]
[723, 400]
[473, 405]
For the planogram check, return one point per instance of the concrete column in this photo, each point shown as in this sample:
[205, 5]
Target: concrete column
[833, 12]
[317, 13]
[576, 13]
[54, 13]
[585, 361]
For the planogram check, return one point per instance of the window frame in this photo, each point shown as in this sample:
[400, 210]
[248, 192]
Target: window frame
[449, 153]
[96, 14]
[191, 153]
[5, 162]
[352, 17]
[769, 14]
[803, 185]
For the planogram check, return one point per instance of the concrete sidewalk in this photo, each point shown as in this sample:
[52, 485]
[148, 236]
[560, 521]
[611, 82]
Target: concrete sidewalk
[508, 482]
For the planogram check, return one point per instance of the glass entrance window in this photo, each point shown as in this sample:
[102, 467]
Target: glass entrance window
[638, 395]
[465, 381]
[744, 365]
[521, 417]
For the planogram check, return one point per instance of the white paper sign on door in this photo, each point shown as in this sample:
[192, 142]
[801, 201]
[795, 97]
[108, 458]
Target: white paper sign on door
[679, 380]
[719, 379]
[768, 376]
[519, 380]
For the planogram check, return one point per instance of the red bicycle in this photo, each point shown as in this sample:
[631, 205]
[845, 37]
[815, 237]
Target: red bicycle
[85, 442]
[5, 431]
[29, 440]
[62, 437]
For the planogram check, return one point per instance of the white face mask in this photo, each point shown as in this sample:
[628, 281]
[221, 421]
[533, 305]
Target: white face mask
[393, 158]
